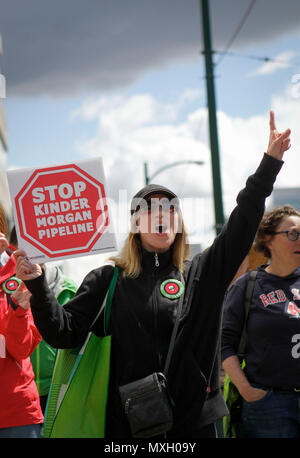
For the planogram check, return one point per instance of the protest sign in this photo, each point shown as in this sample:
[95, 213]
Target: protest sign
[61, 211]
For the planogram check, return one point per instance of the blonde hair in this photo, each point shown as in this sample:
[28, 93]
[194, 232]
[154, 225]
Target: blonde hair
[3, 221]
[130, 257]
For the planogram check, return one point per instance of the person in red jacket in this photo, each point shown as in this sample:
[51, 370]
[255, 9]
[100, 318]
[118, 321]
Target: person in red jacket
[20, 411]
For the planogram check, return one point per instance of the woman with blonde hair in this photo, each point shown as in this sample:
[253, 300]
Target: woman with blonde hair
[129, 259]
[155, 280]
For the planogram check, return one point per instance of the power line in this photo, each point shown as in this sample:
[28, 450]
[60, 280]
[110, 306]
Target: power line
[237, 31]
[246, 56]
[259, 58]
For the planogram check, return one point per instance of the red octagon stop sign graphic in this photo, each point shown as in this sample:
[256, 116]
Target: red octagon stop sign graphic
[62, 210]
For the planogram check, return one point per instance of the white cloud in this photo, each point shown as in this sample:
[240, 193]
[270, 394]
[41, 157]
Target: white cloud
[133, 130]
[139, 128]
[279, 62]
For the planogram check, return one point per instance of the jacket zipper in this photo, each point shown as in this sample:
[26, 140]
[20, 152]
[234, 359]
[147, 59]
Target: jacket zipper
[156, 262]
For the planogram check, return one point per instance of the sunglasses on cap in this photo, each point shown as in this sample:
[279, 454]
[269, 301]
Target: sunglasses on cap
[154, 204]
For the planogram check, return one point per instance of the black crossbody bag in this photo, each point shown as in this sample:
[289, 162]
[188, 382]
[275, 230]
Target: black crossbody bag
[147, 402]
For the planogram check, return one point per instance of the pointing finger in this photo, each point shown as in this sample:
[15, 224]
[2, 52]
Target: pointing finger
[272, 120]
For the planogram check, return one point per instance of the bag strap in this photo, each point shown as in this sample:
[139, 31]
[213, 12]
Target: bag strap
[106, 304]
[174, 332]
[109, 298]
[248, 297]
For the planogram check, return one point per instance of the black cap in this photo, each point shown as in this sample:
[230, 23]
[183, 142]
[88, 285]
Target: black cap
[151, 189]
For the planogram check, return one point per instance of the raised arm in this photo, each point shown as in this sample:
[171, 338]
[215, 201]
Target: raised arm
[235, 240]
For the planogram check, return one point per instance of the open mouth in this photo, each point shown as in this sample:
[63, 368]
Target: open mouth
[161, 228]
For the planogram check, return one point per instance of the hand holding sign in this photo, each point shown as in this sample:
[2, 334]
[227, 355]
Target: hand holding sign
[25, 270]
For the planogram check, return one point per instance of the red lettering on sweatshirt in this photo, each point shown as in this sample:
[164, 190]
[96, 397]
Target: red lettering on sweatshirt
[296, 294]
[293, 309]
[264, 300]
[272, 297]
[280, 295]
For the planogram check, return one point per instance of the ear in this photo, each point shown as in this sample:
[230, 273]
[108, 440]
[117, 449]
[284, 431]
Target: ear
[268, 241]
[135, 224]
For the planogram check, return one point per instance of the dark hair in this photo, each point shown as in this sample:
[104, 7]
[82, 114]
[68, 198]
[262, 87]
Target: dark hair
[269, 224]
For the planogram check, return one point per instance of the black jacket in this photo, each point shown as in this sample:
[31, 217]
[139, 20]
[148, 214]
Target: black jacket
[142, 319]
[272, 350]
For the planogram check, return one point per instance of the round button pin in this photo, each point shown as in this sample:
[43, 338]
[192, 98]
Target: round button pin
[11, 284]
[172, 288]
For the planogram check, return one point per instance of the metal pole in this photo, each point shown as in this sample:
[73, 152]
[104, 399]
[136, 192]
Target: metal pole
[212, 117]
[146, 173]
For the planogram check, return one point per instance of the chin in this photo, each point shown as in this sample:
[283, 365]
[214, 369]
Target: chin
[161, 246]
[162, 249]
[158, 242]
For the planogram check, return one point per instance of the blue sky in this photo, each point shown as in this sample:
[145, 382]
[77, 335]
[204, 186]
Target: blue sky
[137, 92]
[40, 129]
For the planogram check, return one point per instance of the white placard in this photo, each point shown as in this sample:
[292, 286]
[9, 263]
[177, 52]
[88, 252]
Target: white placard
[62, 211]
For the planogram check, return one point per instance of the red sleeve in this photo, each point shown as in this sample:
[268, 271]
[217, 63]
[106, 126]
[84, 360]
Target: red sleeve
[22, 336]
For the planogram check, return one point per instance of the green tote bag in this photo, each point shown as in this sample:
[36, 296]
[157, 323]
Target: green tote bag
[77, 400]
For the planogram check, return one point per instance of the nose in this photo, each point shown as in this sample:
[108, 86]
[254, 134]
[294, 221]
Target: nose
[159, 211]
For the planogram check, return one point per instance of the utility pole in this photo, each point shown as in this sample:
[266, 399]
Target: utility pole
[212, 117]
[146, 174]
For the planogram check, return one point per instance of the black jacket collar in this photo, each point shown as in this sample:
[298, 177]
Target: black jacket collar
[153, 260]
